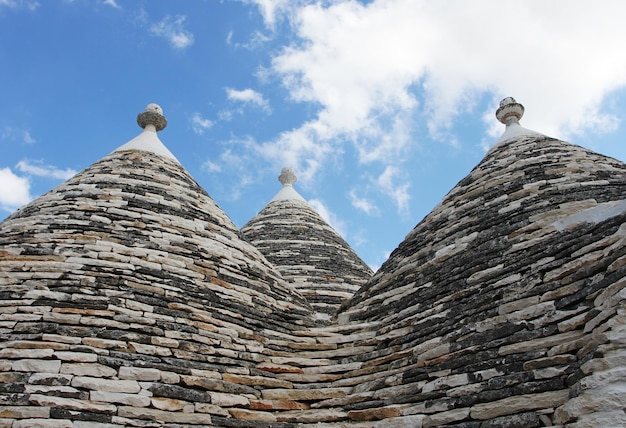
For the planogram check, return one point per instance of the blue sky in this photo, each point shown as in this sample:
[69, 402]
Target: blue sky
[380, 106]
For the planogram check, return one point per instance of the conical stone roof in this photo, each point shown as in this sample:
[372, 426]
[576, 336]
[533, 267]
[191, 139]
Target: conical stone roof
[128, 299]
[505, 304]
[127, 295]
[307, 251]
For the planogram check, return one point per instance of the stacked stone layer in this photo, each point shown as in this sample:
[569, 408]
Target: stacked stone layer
[501, 302]
[127, 295]
[128, 299]
[308, 252]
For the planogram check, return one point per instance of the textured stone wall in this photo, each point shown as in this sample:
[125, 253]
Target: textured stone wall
[127, 298]
[501, 303]
[308, 252]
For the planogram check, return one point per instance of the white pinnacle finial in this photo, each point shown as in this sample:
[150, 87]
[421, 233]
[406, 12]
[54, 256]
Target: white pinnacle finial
[152, 116]
[510, 111]
[287, 177]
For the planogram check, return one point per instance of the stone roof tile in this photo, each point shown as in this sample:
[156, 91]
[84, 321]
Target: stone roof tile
[307, 251]
[128, 298]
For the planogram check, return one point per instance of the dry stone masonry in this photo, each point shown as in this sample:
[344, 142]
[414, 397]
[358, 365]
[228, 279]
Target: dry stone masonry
[129, 299]
[308, 252]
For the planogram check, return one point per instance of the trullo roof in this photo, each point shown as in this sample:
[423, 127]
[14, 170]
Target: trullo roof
[130, 291]
[307, 251]
[128, 298]
[504, 305]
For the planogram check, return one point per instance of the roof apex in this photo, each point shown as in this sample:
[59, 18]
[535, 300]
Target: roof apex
[509, 113]
[287, 178]
[152, 121]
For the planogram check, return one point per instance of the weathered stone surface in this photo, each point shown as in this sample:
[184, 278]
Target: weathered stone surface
[252, 415]
[88, 369]
[211, 408]
[443, 418]
[19, 353]
[128, 298]
[108, 385]
[312, 416]
[118, 397]
[256, 380]
[71, 403]
[277, 405]
[228, 400]
[600, 419]
[138, 373]
[161, 416]
[376, 413]
[37, 366]
[51, 423]
[518, 403]
[23, 412]
[81, 357]
[304, 394]
[49, 379]
[92, 424]
[180, 393]
[308, 252]
[169, 404]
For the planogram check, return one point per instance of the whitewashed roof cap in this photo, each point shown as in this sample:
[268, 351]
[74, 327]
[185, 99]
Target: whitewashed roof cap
[509, 113]
[151, 120]
[287, 178]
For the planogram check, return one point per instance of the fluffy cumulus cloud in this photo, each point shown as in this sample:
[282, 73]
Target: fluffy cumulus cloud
[199, 124]
[393, 183]
[371, 68]
[248, 96]
[14, 190]
[363, 204]
[272, 9]
[42, 170]
[172, 29]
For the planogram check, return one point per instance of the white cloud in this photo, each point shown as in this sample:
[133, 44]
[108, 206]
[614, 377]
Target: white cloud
[398, 192]
[225, 115]
[255, 41]
[363, 204]
[236, 160]
[14, 190]
[171, 28]
[248, 96]
[20, 4]
[112, 3]
[200, 124]
[16, 135]
[372, 68]
[328, 216]
[210, 166]
[42, 170]
[27, 138]
[305, 148]
[271, 9]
